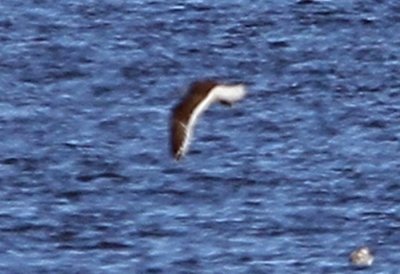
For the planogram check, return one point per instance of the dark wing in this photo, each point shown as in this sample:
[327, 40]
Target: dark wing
[178, 129]
[181, 114]
[177, 136]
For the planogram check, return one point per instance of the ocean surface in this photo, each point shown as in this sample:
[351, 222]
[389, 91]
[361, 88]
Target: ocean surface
[290, 180]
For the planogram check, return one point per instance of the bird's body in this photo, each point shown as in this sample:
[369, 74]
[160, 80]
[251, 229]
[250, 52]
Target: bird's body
[199, 97]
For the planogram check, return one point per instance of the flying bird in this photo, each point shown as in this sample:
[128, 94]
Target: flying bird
[186, 113]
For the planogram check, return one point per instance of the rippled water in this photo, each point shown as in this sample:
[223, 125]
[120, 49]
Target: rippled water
[290, 180]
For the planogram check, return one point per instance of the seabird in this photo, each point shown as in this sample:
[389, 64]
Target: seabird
[186, 113]
[362, 257]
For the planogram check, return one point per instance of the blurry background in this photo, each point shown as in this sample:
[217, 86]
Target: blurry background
[290, 180]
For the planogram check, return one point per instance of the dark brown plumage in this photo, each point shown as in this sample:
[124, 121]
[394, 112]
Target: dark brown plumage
[182, 111]
[198, 98]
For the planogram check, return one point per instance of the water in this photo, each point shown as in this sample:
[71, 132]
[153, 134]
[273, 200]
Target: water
[290, 180]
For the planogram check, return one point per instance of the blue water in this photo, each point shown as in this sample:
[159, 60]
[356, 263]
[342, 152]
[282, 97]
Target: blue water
[290, 180]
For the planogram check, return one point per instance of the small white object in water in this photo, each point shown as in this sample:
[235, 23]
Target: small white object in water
[362, 257]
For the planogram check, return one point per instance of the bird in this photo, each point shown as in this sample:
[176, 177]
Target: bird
[200, 95]
[362, 257]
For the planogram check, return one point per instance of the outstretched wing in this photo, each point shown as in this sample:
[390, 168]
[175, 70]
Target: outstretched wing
[184, 118]
[186, 114]
[179, 138]
[229, 94]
